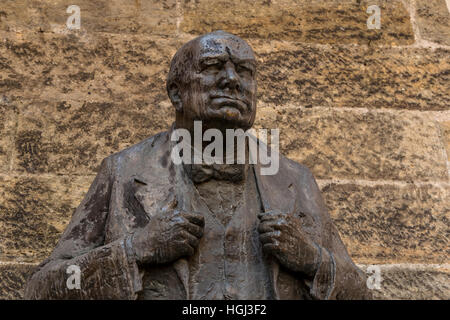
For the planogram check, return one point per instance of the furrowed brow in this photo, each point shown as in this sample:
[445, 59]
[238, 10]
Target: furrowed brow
[222, 57]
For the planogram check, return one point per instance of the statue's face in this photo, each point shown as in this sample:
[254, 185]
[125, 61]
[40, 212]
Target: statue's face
[222, 87]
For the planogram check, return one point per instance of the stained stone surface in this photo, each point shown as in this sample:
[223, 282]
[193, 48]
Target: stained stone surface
[73, 137]
[413, 282]
[445, 129]
[359, 144]
[395, 78]
[13, 277]
[383, 224]
[48, 66]
[8, 119]
[334, 22]
[112, 16]
[33, 213]
[433, 19]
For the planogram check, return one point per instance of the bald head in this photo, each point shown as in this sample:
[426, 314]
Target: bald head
[212, 78]
[213, 43]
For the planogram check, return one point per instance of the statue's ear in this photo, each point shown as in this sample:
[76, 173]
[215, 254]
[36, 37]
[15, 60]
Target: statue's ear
[175, 96]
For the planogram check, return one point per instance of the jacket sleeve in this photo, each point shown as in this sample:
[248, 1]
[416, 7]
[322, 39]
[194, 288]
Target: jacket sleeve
[107, 270]
[337, 277]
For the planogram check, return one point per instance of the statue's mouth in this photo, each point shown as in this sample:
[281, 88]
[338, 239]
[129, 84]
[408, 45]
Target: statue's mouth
[230, 102]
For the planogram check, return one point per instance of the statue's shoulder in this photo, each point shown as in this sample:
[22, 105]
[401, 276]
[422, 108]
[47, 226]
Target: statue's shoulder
[145, 149]
[298, 171]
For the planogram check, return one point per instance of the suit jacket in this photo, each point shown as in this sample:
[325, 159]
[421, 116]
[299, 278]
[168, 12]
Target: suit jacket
[136, 183]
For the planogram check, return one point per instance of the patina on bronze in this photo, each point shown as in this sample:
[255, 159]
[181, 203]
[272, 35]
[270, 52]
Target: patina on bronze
[149, 229]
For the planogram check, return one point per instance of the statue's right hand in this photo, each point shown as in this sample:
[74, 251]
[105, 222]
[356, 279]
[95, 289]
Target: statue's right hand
[167, 237]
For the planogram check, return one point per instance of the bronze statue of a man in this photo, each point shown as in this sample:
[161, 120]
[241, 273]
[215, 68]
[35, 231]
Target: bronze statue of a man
[152, 229]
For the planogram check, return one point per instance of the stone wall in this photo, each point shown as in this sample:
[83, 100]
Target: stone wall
[366, 110]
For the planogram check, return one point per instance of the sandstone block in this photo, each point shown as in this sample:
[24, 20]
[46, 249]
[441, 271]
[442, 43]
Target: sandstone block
[13, 277]
[395, 78]
[369, 145]
[99, 67]
[331, 22]
[34, 211]
[433, 19]
[8, 120]
[413, 282]
[74, 137]
[391, 223]
[112, 16]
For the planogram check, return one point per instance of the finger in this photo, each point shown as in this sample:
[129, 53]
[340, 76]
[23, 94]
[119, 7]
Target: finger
[266, 226]
[189, 238]
[194, 229]
[194, 218]
[269, 237]
[186, 249]
[272, 225]
[271, 248]
[269, 215]
[279, 223]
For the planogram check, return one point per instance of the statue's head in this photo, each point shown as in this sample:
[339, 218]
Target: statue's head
[212, 78]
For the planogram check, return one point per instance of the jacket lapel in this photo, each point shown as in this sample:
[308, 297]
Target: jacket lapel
[276, 193]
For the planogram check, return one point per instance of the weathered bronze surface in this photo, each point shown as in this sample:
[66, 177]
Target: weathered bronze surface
[149, 229]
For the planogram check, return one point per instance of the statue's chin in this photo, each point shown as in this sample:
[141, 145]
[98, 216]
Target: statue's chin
[230, 113]
[226, 119]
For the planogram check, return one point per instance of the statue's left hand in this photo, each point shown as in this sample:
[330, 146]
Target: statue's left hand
[282, 236]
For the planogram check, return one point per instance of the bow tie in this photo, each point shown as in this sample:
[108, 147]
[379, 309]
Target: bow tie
[202, 172]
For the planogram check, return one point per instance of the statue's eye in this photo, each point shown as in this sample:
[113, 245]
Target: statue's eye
[244, 69]
[211, 65]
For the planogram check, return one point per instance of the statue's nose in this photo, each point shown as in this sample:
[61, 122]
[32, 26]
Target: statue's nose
[229, 77]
